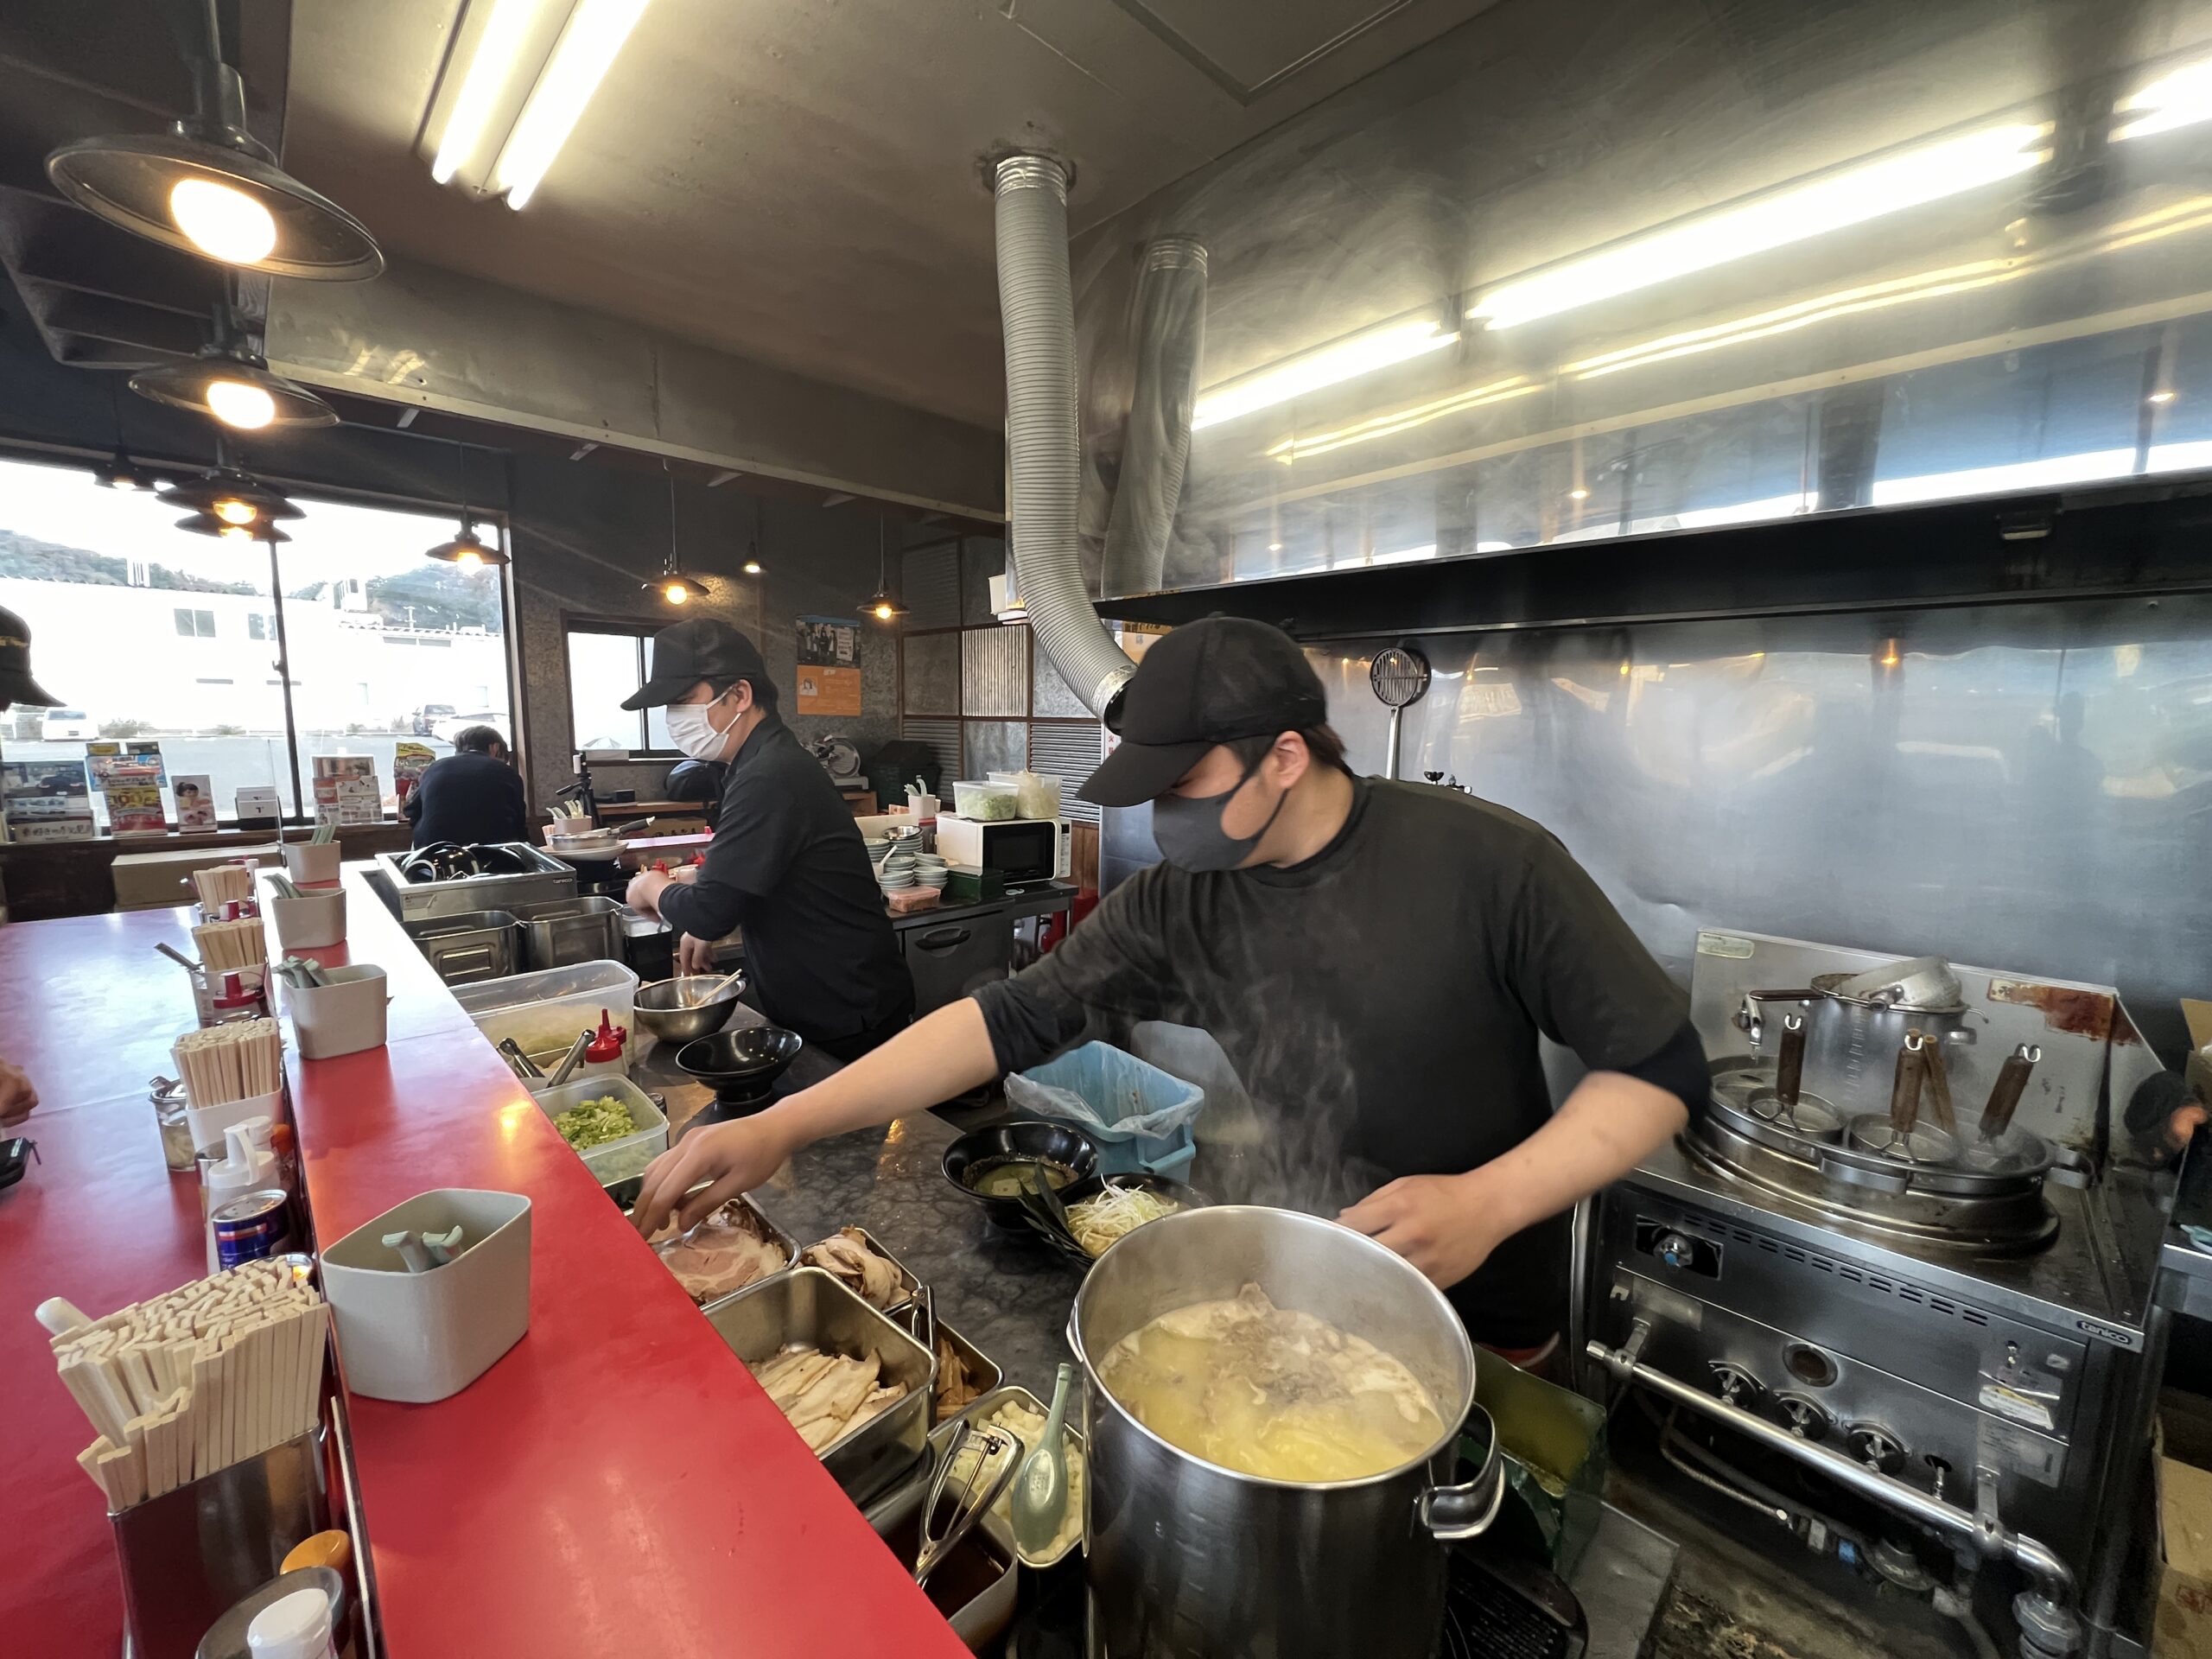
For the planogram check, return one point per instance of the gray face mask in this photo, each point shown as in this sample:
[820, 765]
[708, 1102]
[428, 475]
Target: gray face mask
[1187, 828]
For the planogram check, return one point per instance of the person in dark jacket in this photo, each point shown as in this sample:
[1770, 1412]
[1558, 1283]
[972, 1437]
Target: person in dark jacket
[473, 795]
[787, 864]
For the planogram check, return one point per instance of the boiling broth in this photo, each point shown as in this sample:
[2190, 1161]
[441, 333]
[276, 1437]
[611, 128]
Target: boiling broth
[1267, 1391]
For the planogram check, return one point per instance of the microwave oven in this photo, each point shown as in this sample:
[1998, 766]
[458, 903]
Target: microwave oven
[1022, 850]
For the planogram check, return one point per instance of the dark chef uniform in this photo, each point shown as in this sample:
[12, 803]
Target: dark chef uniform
[1380, 1002]
[468, 796]
[788, 867]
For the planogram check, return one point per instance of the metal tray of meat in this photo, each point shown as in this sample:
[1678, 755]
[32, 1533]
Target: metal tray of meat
[811, 1307]
[908, 1284]
[625, 1194]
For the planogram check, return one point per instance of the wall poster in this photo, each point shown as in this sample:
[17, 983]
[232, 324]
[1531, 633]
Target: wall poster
[829, 665]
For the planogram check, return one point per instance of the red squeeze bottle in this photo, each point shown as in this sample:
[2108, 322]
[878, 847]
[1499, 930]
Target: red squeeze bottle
[606, 1043]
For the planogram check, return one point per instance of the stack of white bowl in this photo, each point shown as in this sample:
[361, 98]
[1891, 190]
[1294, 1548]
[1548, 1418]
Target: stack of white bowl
[930, 871]
[895, 872]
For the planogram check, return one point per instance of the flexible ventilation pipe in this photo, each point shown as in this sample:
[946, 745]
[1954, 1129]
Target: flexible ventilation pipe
[1170, 341]
[1037, 314]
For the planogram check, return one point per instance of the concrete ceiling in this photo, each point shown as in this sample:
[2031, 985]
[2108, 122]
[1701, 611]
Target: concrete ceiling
[798, 184]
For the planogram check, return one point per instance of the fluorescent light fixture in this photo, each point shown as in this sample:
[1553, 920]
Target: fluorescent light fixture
[1308, 445]
[2180, 98]
[1991, 481]
[595, 31]
[488, 68]
[1327, 366]
[1850, 195]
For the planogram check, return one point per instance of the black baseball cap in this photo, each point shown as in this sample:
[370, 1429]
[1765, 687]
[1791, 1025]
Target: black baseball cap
[703, 648]
[1209, 682]
[16, 684]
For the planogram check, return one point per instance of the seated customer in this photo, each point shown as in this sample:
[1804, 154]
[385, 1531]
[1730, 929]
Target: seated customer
[472, 795]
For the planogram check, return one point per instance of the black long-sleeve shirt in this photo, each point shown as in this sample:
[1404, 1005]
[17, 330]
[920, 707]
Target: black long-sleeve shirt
[468, 796]
[788, 867]
[1380, 1003]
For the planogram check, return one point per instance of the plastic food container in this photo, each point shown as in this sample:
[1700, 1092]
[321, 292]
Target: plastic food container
[1037, 793]
[544, 1011]
[613, 1160]
[983, 801]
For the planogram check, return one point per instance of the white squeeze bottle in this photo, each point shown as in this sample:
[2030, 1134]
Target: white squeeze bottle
[296, 1626]
[250, 1164]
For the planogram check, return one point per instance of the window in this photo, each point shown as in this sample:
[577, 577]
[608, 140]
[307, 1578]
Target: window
[102, 580]
[608, 661]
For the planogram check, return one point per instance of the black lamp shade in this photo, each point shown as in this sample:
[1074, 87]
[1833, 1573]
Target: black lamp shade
[127, 178]
[194, 386]
[207, 523]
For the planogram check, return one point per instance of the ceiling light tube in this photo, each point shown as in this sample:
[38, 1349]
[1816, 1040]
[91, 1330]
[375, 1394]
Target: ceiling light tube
[2180, 98]
[488, 68]
[1327, 366]
[595, 33]
[1847, 196]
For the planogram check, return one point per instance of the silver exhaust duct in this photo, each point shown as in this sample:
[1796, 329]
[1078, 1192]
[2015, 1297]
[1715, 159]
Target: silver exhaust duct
[1170, 342]
[1044, 456]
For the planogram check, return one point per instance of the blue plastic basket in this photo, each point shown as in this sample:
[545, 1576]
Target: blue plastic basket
[1140, 1117]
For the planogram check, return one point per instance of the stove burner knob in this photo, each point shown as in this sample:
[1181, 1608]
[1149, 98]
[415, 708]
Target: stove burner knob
[1875, 1447]
[1738, 1387]
[1674, 1250]
[1804, 1418]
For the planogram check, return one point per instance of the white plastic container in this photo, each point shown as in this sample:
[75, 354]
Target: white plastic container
[208, 1123]
[420, 1336]
[313, 862]
[310, 921]
[343, 1017]
[985, 801]
[613, 1160]
[544, 1011]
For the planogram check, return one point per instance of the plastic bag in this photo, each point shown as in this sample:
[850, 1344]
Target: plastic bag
[1140, 1117]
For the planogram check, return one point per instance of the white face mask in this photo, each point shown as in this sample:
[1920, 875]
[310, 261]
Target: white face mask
[691, 730]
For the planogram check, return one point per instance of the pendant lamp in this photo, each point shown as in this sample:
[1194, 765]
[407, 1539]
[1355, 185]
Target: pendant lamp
[468, 549]
[672, 585]
[233, 385]
[883, 604]
[208, 187]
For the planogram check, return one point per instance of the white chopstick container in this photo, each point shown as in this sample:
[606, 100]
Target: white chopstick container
[342, 1017]
[310, 921]
[312, 861]
[420, 1336]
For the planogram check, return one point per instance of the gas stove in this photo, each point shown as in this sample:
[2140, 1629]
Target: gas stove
[1894, 1235]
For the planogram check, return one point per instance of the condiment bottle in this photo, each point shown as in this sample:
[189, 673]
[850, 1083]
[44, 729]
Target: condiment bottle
[249, 1166]
[238, 1001]
[296, 1626]
[604, 1052]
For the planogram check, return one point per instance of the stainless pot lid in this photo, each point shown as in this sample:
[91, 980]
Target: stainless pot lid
[1920, 985]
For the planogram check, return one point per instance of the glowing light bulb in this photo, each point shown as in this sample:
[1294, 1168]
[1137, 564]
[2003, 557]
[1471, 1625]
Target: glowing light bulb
[753, 566]
[1578, 493]
[235, 533]
[223, 221]
[235, 512]
[2162, 397]
[469, 558]
[676, 594]
[1275, 547]
[884, 613]
[240, 402]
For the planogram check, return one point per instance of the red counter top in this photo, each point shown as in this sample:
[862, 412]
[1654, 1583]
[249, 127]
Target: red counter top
[617, 1482]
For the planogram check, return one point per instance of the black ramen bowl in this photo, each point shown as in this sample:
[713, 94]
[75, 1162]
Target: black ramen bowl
[974, 1155]
[741, 1065]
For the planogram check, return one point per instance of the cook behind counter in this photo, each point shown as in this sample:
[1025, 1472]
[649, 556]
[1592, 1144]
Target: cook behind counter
[788, 869]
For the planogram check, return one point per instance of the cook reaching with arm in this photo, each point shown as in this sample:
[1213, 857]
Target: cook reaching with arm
[1286, 884]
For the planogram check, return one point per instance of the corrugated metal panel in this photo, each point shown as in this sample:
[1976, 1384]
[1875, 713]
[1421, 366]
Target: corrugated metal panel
[1070, 754]
[930, 586]
[994, 671]
[943, 738]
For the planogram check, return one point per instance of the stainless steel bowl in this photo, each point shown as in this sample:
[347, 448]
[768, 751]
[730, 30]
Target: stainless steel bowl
[662, 1007]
